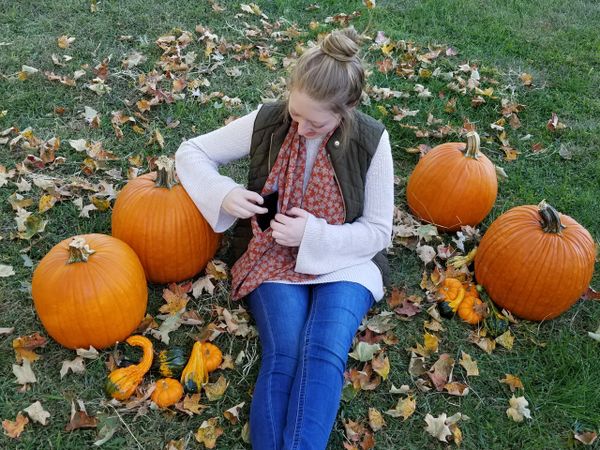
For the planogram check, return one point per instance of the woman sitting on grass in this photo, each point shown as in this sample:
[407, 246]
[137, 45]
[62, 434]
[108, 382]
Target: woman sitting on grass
[309, 273]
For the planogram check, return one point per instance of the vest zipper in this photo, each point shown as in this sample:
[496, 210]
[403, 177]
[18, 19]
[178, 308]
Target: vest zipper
[269, 156]
[338, 184]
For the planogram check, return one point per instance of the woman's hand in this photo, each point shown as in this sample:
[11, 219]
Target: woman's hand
[242, 203]
[288, 228]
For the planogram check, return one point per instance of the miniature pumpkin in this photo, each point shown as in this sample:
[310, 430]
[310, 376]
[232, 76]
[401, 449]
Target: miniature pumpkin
[535, 262]
[452, 292]
[471, 310]
[205, 358]
[90, 290]
[171, 361]
[450, 188]
[158, 219]
[167, 392]
[212, 356]
[122, 382]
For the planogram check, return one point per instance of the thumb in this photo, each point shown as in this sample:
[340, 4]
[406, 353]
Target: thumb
[297, 212]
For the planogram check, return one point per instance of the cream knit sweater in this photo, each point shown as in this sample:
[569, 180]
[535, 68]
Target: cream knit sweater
[332, 252]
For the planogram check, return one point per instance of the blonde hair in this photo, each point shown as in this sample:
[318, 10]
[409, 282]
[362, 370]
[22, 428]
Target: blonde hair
[332, 72]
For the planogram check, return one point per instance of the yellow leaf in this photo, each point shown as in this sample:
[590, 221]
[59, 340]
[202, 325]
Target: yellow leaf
[65, 41]
[101, 204]
[208, 433]
[46, 202]
[512, 381]
[215, 391]
[469, 364]
[387, 49]
[376, 421]
[381, 365]
[405, 408]
[506, 340]
[431, 343]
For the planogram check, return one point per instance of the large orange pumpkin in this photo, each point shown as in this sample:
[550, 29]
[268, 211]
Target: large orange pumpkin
[157, 218]
[451, 186]
[90, 290]
[535, 262]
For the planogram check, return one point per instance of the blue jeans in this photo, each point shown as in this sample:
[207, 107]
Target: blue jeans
[305, 332]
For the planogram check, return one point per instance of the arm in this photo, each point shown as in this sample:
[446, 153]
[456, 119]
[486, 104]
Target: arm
[325, 248]
[197, 161]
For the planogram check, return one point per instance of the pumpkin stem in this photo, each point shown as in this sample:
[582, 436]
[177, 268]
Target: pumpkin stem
[550, 218]
[473, 144]
[165, 177]
[79, 250]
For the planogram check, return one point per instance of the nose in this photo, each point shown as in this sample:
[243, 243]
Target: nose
[303, 127]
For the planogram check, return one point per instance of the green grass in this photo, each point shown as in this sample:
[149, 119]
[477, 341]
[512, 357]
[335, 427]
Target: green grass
[555, 41]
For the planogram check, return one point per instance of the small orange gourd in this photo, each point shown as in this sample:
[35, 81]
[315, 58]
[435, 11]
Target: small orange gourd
[122, 382]
[472, 310]
[168, 391]
[452, 292]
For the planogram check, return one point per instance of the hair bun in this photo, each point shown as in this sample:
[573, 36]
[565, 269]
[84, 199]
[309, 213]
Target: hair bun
[342, 45]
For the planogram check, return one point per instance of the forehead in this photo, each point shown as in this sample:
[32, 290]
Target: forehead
[301, 104]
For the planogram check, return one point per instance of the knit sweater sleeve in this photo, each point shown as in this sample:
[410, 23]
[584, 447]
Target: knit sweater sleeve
[197, 161]
[326, 248]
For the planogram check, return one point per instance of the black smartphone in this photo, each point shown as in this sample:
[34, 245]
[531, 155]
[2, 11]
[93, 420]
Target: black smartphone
[269, 202]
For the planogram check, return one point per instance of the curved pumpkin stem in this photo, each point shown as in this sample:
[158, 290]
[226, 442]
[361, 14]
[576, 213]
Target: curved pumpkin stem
[550, 218]
[473, 144]
[165, 177]
[79, 250]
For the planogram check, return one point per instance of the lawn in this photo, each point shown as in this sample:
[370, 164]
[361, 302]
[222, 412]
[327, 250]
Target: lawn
[80, 112]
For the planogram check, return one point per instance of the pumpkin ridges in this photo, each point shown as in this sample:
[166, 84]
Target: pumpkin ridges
[71, 299]
[554, 268]
[468, 196]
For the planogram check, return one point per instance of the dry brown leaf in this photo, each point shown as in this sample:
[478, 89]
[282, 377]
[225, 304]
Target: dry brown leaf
[456, 388]
[381, 365]
[376, 420]
[75, 366]
[209, 432]
[176, 297]
[513, 382]
[215, 391]
[441, 371]
[24, 346]
[586, 437]
[14, 429]
[24, 373]
[80, 418]
[404, 408]
[518, 409]
[233, 413]
[469, 365]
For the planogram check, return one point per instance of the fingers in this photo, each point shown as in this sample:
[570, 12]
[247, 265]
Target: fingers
[297, 212]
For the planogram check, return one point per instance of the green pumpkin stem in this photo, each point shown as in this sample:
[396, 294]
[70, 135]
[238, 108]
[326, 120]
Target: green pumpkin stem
[473, 144]
[550, 218]
[165, 177]
[79, 250]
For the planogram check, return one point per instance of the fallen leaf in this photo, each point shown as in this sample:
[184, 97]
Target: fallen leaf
[37, 413]
[65, 41]
[176, 299]
[14, 429]
[171, 323]
[595, 335]
[90, 353]
[215, 391]
[209, 432]
[24, 373]
[526, 78]
[80, 418]
[554, 124]
[6, 271]
[75, 366]
[376, 420]
[436, 426]
[469, 365]
[6, 331]
[24, 346]
[233, 413]
[441, 371]
[108, 428]
[456, 388]
[506, 340]
[364, 351]
[587, 437]
[518, 409]
[404, 408]
[513, 382]
[381, 365]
